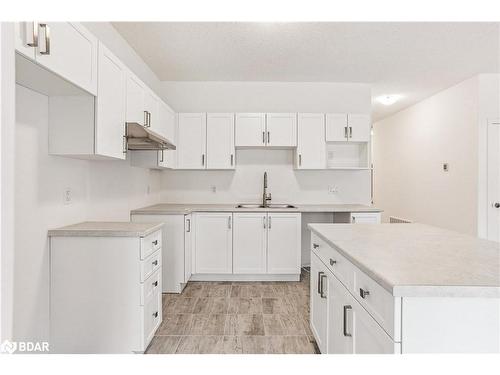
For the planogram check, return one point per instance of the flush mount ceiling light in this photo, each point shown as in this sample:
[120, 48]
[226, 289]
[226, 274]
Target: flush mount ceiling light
[388, 99]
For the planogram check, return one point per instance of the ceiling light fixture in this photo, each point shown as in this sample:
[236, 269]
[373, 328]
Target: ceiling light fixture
[388, 99]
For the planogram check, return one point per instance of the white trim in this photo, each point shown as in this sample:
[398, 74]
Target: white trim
[245, 277]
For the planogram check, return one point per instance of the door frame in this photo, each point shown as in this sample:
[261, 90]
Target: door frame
[492, 179]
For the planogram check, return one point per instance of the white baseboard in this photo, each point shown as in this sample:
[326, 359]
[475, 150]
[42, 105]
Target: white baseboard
[249, 277]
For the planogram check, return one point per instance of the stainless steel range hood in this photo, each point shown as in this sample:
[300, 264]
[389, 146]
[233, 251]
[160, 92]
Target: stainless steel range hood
[141, 138]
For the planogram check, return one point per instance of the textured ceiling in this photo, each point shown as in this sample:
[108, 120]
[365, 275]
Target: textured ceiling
[411, 59]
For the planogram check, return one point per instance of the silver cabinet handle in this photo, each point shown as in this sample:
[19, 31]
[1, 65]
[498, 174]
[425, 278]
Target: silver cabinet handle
[315, 245]
[264, 137]
[363, 293]
[46, 29]
[332, 262]
[124, 144]
[155, 314]
[322, 277]
[496, 205]
[354, 219]
[300, 160]
[149, 119]
[350, 131]
[268, 137]
[188, 221]
[161, 157]
[264, 221]
[229, 222]
[155, 242]
[269, 222]
[345, 132]
[203, 159]
[155, 284]
[146, 117]
[346, 308]
[34, 34]
[232, 159]
[320, 273]
[155, 263]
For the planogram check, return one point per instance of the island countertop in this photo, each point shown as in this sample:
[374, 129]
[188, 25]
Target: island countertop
[187, 208]
[106, 229]
[417, 260]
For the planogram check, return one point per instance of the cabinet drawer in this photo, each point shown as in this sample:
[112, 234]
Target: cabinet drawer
[336, 263]
[152, 317]
[150, 244]
[377, 301]
[151, 286]
[150, 265]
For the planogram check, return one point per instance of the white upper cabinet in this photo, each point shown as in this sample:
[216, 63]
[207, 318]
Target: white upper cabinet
[336, 127]
[283, 243]
[110, 106]
[220, 141]
[281, 129]
[191, 141]
[136, 111]
[213, 242]
[26, 38]
[250, 130]
[69, 50]
[249, 243]
[359, 127]
[167, 121]
[341, 127]
[311, 147]
[152, 107]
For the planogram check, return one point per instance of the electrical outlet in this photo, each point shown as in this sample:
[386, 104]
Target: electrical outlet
[333, 189]
[213, 189]
[68, 196]
[446, 167]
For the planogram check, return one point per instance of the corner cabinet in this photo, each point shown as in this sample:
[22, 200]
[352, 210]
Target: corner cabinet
[213, 242]
[65, 48]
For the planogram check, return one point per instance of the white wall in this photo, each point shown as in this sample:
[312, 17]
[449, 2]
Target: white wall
[102, 190]
[245, 183]
[410, 147]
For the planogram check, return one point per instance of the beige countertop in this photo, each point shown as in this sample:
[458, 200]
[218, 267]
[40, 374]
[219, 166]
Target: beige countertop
[417, 260]
[106, 229]
[175, 209]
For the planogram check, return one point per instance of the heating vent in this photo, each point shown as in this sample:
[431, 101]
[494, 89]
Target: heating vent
[398, 220]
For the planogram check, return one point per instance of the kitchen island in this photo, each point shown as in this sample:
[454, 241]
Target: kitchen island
[403, 288]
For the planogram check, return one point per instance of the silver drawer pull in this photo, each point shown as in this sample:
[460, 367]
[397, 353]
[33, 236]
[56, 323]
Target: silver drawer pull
[34, 34]
[155, 284]
[155, 242]
[155, 263]
[363, 293]
[315, 245]
[332, 262]
[319, 282]
[46, 28]
[346, 307]
[155, 314]
[146, 117]
[322, 284]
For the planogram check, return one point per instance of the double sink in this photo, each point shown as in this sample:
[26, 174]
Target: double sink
[271, 205]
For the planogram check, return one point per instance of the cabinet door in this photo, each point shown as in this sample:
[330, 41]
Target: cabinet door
[26, 37]
[359, 127]
[213, 243]
[152, 106]
[136, 111]
[71, 52]
[319, 304]
[191, 141]
[188, 257]
[281, 129]
[110, 106]
[250, 129]
[365, 218]
[336, 127]
[340, 339]
[283, 243]
[220, 141]
[168, 158]
[311, 144]
[249, 243]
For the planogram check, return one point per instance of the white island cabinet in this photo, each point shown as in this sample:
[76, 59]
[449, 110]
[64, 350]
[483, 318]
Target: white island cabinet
[105, 287]
[403, 288]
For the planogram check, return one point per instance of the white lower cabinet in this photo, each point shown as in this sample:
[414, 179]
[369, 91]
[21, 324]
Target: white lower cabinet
[283, 243]
[366, 218]
[176, 249]
[213, 242]
[250, 243]
[105, 292]
[319, 304]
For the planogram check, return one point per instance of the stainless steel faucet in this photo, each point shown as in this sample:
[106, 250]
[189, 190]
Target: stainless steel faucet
[265, 196]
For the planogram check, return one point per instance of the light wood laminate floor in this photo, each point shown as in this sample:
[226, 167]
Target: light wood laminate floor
[236, 318]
